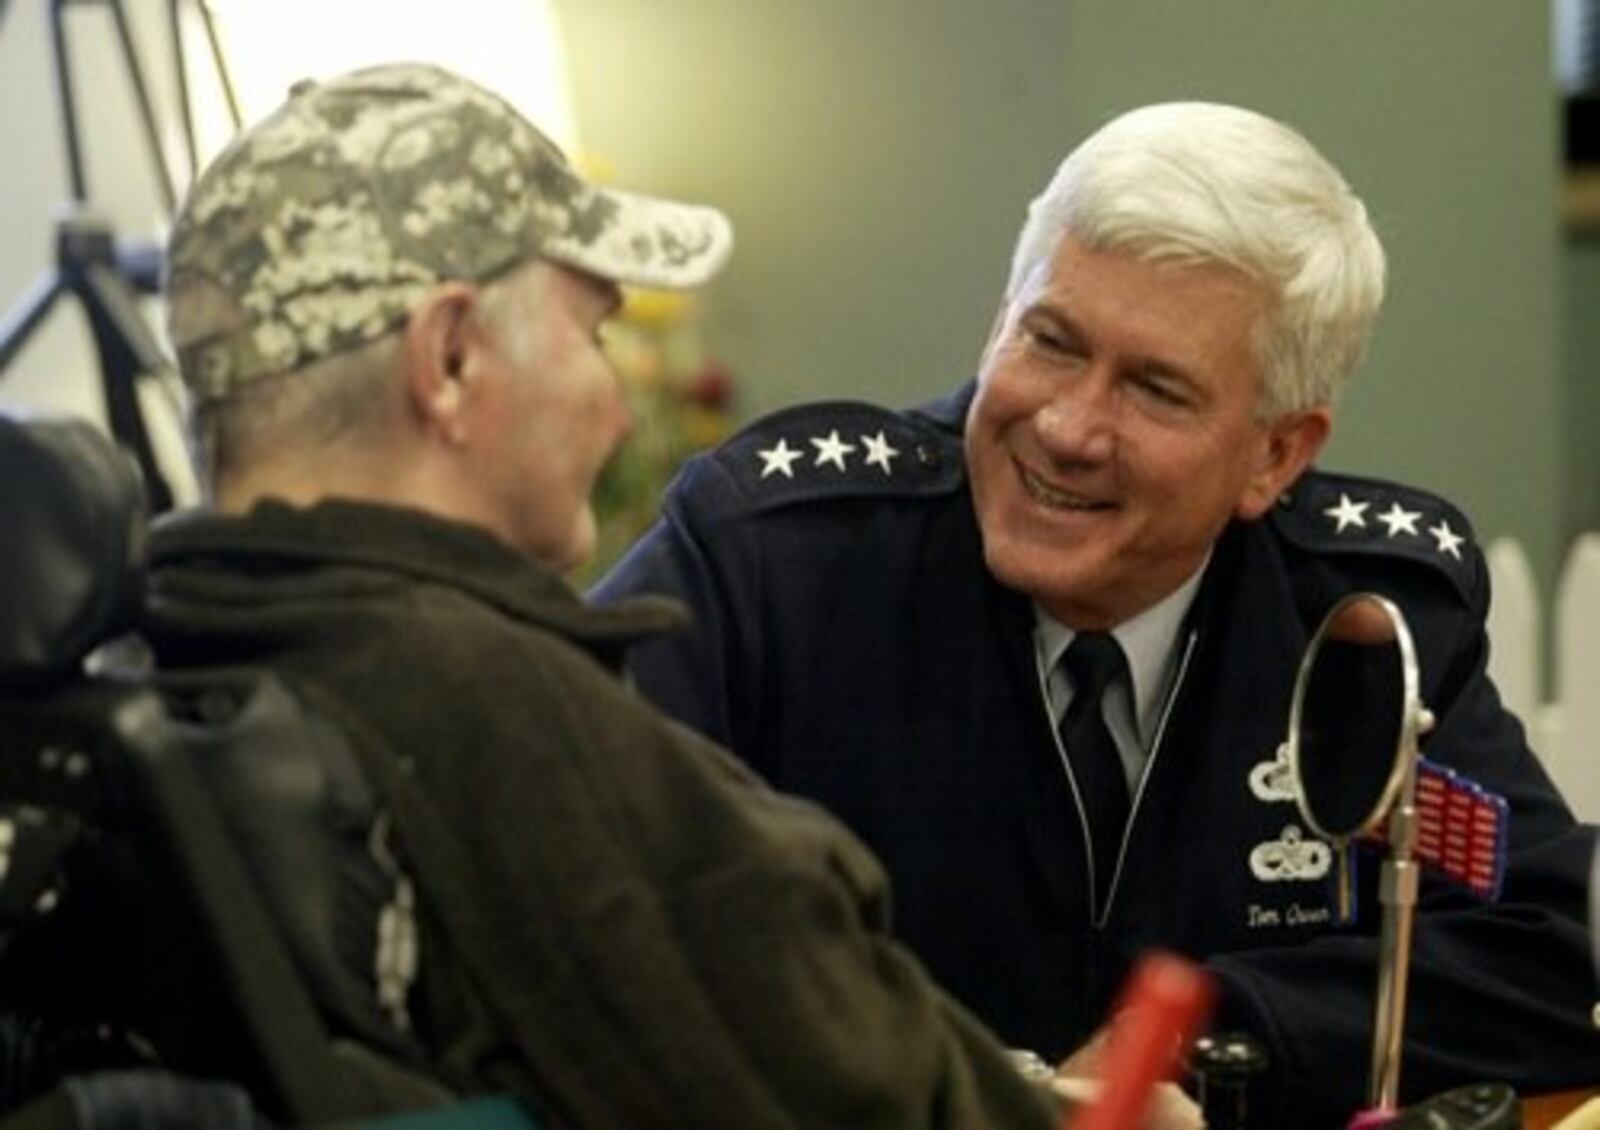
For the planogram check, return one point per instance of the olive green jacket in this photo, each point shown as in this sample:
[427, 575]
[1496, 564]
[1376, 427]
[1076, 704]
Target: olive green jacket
[639, 932]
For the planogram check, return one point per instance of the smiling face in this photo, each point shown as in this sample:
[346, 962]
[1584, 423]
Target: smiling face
[1115, 430]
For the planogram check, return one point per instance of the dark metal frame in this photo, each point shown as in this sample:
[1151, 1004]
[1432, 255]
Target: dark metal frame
[104, 274]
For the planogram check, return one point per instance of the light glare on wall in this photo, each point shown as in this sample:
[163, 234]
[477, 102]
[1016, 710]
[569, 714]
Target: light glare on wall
[514, 47]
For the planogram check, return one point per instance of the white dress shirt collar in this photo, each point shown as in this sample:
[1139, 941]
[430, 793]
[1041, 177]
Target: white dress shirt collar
[1150, 642]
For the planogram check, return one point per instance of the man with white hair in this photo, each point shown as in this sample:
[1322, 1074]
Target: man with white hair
[1036, 642]
[385, 300]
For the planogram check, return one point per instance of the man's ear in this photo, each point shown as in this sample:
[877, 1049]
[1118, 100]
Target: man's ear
[1286, 448]
[443, 336]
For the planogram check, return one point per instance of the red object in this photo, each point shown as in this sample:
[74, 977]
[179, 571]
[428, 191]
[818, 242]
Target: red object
[1164, 1005]
[711, 387]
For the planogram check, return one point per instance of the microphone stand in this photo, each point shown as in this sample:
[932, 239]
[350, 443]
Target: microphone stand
[1398, 893]
[105, 277]
[89, 267]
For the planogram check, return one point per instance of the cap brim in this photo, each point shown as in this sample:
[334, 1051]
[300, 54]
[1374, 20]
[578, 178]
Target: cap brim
[648, 241]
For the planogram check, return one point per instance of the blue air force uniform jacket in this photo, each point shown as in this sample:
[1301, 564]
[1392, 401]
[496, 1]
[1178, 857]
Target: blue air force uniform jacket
[848, 642]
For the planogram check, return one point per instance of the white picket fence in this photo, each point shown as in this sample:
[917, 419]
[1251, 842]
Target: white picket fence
[1565, 729]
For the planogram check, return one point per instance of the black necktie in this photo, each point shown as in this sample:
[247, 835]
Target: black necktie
[1093, 660]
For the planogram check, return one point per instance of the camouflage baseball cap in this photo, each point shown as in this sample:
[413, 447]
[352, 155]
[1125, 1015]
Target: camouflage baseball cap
[317, 229]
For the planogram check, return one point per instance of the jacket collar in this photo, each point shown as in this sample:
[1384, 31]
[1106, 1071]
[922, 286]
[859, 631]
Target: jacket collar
[275, 537]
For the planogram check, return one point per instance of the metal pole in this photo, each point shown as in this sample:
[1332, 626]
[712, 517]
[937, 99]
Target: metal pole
[1398, 893]
[220, 58]
[19, 322]
[147, 114]
[69, 115]
[180, 66]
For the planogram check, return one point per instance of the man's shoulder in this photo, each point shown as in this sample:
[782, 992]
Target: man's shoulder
[830, 450]
[1370, 522]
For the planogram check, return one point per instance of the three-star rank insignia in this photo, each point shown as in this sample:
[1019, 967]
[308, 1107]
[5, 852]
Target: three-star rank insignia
[1346, 513]
[831, 451]
[841, 448]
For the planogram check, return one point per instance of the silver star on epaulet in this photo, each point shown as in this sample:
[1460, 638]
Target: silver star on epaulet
[1348, 513]
[831, 449]
[778, 459]
[1449, 541]
[879, 452]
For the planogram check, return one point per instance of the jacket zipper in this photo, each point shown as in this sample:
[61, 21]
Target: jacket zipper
[1099, 921]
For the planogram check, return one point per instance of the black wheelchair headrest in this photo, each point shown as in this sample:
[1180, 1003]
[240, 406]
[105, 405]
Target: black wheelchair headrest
[73, 521]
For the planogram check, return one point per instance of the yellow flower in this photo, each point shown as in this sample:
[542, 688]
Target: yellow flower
[658, 308]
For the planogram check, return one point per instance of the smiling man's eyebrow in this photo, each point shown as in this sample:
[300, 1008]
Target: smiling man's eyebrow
[1051, 311]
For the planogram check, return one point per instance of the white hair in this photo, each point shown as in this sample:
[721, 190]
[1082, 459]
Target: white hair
[1201, 183]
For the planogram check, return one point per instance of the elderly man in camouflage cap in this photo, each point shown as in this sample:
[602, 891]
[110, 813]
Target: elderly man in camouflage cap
[385, 300]
[393, 196]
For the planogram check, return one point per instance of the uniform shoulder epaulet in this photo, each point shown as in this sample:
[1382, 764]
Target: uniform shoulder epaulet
[1349, 514]
[841, 449]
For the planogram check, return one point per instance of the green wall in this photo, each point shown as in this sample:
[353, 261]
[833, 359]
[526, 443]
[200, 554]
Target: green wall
[877, 156]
